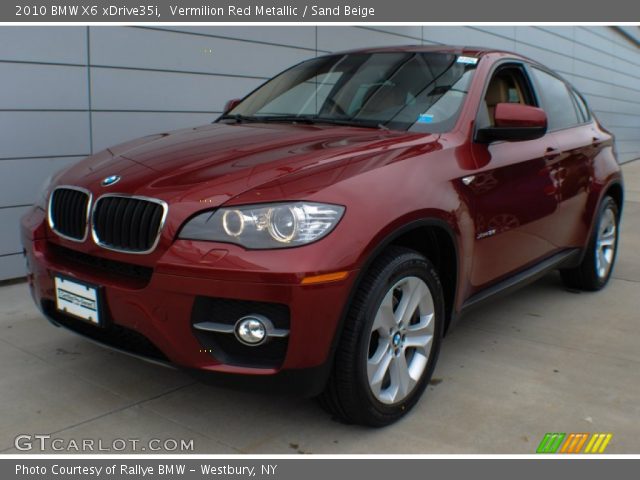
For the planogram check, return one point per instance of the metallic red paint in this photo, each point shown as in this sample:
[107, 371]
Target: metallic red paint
[517, 115]
[506, 204]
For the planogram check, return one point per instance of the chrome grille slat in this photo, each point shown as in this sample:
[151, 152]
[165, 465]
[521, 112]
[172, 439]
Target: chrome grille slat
[68, 213]
[119, 222]
[130, 224]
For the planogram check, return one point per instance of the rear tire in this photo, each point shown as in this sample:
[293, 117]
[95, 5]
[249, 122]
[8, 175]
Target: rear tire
[594, 271]
[390, 342]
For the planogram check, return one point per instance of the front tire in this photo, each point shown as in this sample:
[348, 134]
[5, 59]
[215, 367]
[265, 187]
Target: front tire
[594, 271]
[390, 342]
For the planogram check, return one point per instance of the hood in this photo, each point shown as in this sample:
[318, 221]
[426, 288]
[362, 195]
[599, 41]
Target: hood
[217, 162]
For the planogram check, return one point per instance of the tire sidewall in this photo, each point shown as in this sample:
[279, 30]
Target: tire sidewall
[607, 203]
[405, 266]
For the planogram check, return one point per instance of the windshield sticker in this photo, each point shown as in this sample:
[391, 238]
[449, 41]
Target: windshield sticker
[467, 60]
[425, 118]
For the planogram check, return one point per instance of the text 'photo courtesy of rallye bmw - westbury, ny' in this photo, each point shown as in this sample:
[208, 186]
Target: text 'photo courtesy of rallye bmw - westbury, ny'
[135, 470]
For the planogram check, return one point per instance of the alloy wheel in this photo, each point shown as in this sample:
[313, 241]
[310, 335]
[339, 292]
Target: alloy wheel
[400, 341]
[606, 243]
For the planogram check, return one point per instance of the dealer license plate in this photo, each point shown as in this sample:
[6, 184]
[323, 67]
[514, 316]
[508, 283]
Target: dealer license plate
[78, 299]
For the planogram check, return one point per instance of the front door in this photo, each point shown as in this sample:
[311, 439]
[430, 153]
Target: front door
[512, 193]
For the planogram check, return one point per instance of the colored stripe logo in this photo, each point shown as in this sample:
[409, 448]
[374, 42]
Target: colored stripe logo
[598, 443]
[550, 443]
[574, 442]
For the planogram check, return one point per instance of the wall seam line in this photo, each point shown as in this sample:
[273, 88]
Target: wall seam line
[89, 89]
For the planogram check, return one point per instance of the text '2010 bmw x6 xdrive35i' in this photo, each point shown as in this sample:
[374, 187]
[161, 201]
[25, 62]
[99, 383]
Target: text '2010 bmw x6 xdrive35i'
[328, 229]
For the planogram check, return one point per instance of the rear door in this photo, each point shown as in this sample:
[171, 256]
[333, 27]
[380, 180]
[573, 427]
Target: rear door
[571, 168]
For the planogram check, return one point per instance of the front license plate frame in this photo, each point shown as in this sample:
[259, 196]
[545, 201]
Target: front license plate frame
[81, 300]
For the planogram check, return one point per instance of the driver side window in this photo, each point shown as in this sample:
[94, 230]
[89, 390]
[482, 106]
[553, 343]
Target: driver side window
[508, 85]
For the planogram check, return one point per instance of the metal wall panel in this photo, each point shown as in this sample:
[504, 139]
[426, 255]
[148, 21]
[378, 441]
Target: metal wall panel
[10, 231]
[44, 44]
[412, 33]
[12, 266]
[170, 50]
[331, 39]
[285, 35]
[42, 134]
[20, 180]
[116, 89]
[550, 40]
[43, 87]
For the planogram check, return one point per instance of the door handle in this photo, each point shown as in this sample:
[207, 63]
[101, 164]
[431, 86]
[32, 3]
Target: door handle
[595, 141]
[550, 153]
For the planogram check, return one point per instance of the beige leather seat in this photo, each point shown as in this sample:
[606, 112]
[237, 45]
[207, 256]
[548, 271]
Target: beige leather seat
[498, 92]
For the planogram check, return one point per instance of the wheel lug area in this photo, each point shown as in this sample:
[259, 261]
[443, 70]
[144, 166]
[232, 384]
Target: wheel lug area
[397, 338]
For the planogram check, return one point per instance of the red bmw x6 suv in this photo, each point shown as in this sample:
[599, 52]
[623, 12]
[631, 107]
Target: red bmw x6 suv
[328, 229]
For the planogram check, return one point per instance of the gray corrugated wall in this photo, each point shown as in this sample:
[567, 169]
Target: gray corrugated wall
[70, 91]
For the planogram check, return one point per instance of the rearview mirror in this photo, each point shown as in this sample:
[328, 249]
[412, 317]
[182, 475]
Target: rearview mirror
[231, 104]
[514, 122]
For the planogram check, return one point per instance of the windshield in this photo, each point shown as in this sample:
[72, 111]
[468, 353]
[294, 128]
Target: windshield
[397, 90]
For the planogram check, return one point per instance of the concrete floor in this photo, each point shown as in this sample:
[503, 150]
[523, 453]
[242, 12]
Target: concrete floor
[541, 360]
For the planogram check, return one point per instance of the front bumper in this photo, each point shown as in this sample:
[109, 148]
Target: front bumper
[160, 307]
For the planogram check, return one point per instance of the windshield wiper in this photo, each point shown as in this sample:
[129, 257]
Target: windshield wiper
[268, 118]
[312, 119]
[306, 119]
[350, 122]
[240, 118]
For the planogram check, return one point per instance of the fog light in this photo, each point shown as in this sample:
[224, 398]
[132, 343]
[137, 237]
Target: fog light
[251, 330]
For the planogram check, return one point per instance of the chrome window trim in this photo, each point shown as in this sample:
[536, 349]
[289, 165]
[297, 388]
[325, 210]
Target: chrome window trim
[165, 211]
[87, 213]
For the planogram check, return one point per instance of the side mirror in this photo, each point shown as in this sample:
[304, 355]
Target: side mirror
[514, 122]
[231, 104]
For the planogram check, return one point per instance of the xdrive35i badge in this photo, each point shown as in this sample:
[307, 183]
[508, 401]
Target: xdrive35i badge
[111, 180]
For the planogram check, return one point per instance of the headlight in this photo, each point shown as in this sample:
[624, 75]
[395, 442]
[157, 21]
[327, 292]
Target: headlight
[276, 225]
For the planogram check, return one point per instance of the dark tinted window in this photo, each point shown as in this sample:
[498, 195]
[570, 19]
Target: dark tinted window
[556, 100]
[582, 107]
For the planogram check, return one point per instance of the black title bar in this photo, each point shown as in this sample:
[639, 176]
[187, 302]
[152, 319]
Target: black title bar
[316, 11]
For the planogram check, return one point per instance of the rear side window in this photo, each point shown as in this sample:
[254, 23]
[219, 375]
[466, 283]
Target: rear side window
[556, 101]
